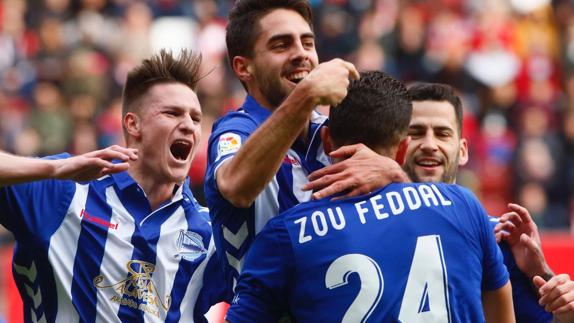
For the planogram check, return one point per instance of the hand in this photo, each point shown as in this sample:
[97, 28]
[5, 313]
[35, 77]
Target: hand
[95, 164]
[328, 82]
[517, 228]
[557, 296]
[361, 172]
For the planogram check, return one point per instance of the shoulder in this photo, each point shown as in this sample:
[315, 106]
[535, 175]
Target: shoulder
[233, 121]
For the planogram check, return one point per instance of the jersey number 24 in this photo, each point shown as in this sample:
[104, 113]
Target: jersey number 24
[426, 285]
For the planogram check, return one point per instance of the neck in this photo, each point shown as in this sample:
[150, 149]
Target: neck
[157, 192]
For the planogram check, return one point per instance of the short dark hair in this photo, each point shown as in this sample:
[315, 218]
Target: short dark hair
[376, 112]
[438, 92]
[160, 68]
[243, 22]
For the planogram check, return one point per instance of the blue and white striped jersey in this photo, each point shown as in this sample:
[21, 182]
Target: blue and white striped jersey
[95, 252]
[404, 253]
[235, 228]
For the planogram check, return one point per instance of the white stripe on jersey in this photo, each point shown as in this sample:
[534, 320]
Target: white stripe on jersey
[266, 205]
[116, 255]
[299, 179]
[195, 285]
[166, 263]
[62, 253]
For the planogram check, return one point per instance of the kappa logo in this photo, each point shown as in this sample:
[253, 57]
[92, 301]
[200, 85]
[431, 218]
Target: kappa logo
[190, 245]
[228, 144]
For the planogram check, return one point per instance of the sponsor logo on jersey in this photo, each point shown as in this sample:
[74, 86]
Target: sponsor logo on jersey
[190, 245]
[291, 161]
[138, 290]
[228, 144]
[87, 217]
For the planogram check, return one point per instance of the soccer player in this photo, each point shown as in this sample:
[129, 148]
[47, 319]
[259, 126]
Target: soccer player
[408, 252]
[435, 152]
[128, 242]
[261, 154]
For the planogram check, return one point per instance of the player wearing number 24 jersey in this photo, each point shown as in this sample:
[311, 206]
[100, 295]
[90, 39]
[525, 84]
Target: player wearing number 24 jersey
[406, 252]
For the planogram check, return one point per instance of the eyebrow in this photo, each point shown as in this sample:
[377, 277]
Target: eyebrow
[288, 36]
[422, 126]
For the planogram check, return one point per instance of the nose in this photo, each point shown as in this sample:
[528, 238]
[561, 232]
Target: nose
[300, 53]
[187, 125]
[429, 143]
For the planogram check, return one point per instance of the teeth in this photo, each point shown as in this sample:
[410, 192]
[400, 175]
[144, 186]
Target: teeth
[428, 163]
[297, 76]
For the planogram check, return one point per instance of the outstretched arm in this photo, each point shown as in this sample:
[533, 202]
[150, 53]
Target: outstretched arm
[243, 177]
[557, 296]
[519, 230]
[92, 165]
[497, 304]
[362, 171]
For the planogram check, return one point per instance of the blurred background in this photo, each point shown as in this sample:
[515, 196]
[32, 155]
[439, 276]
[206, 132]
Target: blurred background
[63, 63]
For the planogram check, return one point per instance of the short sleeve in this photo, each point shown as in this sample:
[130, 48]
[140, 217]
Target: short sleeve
[35, 208]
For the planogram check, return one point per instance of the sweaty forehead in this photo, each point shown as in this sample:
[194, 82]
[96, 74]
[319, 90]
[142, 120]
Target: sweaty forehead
[282, 22]
[433, 114]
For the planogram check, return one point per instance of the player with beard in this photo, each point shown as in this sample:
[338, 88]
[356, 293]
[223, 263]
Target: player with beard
[403, 253]
[435, 152]
[260, 155]
[105, 242]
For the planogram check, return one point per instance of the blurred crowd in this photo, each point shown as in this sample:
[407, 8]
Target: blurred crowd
[63, 63]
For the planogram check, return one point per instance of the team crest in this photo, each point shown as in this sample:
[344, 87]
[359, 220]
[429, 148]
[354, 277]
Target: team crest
[190, 245]
[228, 144]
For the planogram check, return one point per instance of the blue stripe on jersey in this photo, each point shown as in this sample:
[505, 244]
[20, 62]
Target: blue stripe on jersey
[286, 198]
[87, 264]
[145, 240]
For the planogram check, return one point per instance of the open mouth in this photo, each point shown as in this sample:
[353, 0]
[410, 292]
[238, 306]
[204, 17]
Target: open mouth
[427, 162]
[297, 76]
[180, 149]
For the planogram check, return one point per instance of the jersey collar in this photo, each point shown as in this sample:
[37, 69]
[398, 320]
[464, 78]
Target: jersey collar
[256, 110]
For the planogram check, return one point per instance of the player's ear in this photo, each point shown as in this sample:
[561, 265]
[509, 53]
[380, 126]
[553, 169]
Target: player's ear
[402, 150]
[132, 124]
[463, 157]
[326, 138]
[242, 68]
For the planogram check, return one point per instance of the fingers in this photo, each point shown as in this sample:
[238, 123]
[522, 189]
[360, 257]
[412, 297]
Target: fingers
[538, 281]
[560, 295]
[316, 177]
[115, 152]
[551, 290]
[353, 73]
[521, 211]
[346, 151]
[116, 168]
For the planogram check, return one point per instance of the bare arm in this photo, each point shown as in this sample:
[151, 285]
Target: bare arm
[497, 305]
[16, 169]
[244, 176]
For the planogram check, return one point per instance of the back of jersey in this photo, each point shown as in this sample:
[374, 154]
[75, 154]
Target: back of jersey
[409, 253]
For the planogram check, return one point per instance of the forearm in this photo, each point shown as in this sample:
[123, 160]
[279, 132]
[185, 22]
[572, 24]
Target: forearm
[243, 177]
[16, 169]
